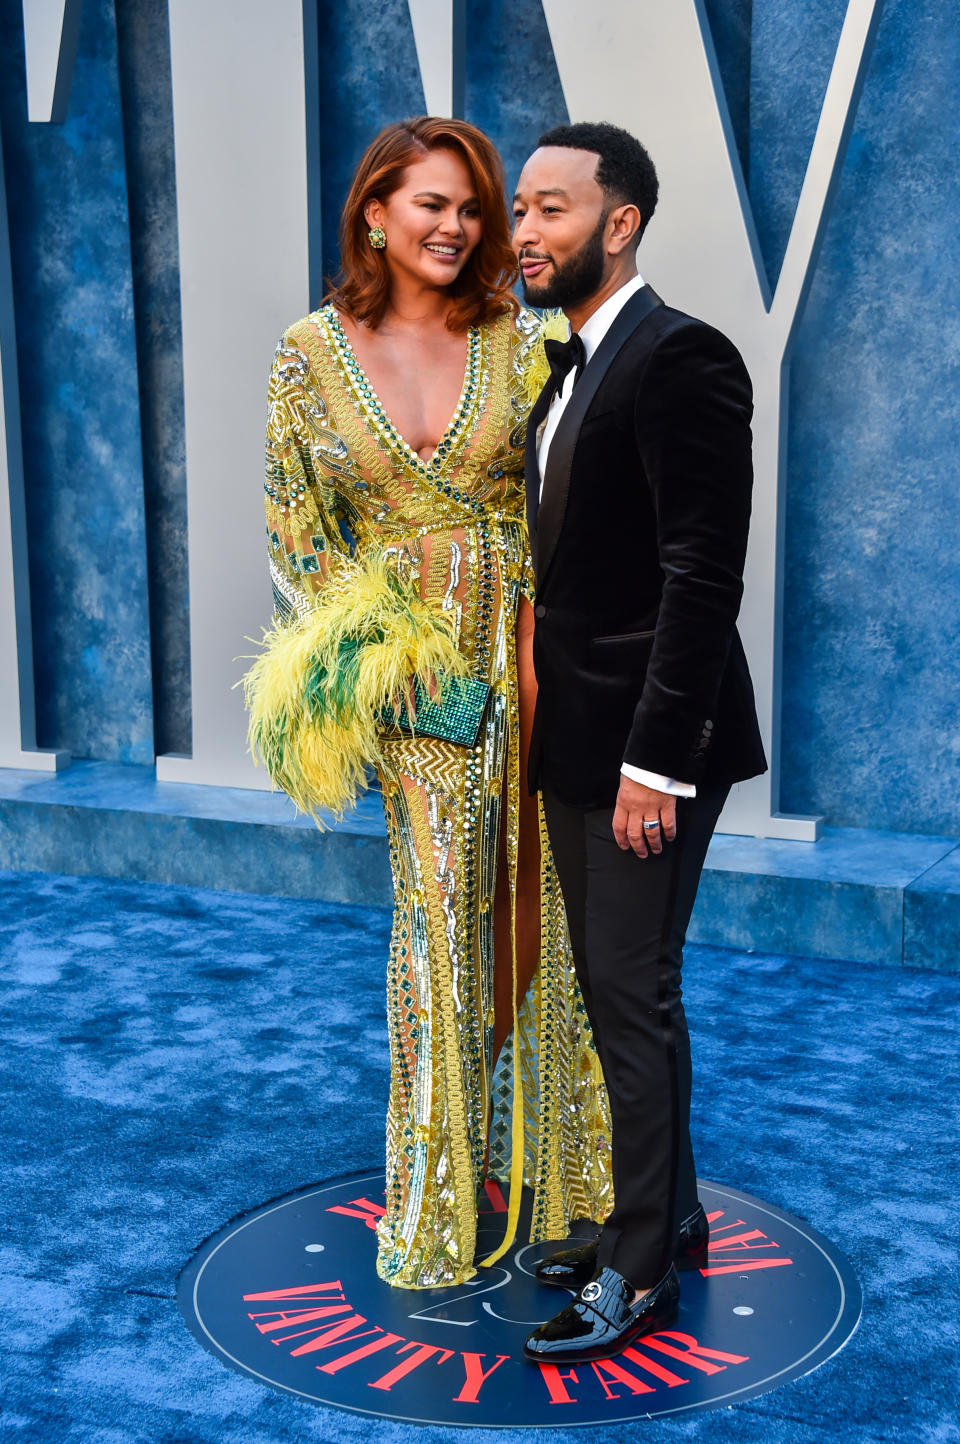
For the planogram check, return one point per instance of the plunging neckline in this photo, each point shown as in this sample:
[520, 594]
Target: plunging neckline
[375, 407]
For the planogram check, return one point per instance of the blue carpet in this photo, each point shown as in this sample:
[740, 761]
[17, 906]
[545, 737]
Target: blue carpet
[173, 1057]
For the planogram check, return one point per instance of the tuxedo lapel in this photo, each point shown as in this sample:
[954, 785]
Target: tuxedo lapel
[531, 465]
[556, 482]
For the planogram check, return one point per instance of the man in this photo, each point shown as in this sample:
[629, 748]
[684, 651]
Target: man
[638, 496]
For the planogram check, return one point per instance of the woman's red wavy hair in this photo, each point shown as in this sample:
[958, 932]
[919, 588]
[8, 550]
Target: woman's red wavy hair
[482, 289]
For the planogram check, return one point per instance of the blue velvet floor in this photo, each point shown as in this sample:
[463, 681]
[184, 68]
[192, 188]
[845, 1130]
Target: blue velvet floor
[173, 1057]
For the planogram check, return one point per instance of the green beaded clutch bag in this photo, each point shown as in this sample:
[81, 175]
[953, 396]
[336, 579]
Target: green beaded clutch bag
[457, 717]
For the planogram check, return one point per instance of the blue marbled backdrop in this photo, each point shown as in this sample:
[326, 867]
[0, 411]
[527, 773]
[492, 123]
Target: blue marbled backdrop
[70, 244]
[791, 52]
[368, 77]
[872, 586]
[513, 90]
[730, 24]
[870, 735]
[144, 60]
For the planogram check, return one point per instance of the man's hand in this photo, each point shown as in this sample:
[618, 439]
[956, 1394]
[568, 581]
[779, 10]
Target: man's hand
[637, 805]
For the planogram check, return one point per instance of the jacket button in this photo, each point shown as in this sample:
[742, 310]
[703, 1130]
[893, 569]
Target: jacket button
[540, 611]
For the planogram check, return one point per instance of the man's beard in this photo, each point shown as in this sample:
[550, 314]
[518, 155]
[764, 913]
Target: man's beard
[577, 279]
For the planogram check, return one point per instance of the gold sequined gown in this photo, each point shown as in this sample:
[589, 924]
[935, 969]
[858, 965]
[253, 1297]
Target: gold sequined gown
[338, 473]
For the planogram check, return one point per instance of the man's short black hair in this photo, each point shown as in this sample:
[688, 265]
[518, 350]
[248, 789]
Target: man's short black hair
[625, 172]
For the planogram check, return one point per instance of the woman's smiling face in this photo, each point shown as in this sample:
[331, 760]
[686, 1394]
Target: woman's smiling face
[432, 221]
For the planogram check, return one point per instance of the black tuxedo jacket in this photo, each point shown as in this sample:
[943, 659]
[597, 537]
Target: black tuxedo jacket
[638, 546]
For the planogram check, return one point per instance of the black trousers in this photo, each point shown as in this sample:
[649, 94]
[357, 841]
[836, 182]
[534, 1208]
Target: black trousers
[628, 919]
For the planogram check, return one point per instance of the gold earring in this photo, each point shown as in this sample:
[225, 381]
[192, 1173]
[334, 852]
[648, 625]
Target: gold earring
[378, 238]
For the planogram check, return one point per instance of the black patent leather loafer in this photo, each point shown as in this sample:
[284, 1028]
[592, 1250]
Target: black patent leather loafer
[572, 1267]
[569, 1268]
[602, 1320]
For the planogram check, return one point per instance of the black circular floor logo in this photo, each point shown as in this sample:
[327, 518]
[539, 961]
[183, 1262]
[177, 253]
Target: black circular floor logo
[289, 1295]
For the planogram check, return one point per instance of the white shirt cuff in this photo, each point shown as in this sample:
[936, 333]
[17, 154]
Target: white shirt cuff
[657, 782]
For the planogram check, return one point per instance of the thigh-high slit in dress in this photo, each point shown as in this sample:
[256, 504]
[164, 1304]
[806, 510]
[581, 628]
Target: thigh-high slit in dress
[380, 560]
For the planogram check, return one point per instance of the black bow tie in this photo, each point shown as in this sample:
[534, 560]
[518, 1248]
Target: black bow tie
[563, 356]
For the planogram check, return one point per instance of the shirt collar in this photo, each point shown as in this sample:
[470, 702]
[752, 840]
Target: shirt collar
[596, 327]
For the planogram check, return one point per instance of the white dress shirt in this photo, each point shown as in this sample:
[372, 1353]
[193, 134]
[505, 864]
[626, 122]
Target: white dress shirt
[592, 333]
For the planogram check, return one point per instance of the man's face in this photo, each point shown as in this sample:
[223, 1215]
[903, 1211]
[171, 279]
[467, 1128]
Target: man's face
[559, 227]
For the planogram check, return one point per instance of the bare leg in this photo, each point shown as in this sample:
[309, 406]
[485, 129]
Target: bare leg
[528, 860]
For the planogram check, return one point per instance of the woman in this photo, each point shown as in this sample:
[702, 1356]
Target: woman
[398, 547]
